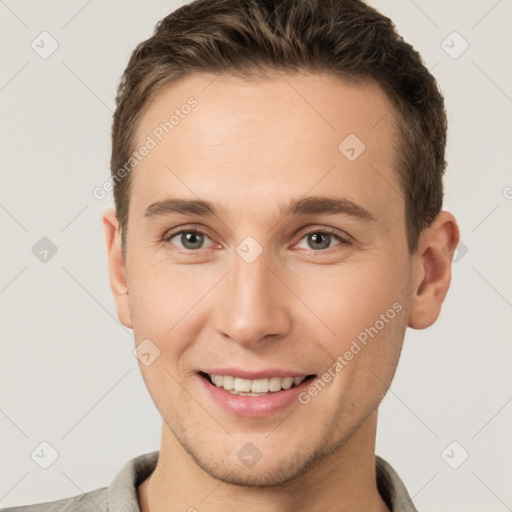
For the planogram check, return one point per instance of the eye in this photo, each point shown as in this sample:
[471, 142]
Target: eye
[190, 239]
[320, 239]
[195, 239]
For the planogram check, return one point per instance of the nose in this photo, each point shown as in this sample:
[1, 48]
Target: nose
[254, 304]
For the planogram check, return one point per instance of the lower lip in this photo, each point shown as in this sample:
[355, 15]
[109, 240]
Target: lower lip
[254, 406]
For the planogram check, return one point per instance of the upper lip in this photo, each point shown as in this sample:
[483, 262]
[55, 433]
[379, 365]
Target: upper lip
[253, 375]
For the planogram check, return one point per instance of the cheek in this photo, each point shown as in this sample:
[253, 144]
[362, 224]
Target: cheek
[162, 304]
[361, 321]
[161, 296]
[349, 298]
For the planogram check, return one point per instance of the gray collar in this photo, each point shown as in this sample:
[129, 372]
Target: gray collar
[122, 493]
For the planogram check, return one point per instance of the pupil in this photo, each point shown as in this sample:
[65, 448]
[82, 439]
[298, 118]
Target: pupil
[317, 238]
[192, 240]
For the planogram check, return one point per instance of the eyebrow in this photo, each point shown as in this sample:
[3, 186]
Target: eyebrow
[304, 206]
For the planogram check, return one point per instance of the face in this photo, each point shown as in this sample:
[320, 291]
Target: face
[266, 243]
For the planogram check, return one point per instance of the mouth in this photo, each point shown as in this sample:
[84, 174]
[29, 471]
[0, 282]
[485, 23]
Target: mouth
[255, 387]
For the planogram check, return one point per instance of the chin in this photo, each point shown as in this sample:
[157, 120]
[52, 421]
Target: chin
[276, 470]
[270, 475]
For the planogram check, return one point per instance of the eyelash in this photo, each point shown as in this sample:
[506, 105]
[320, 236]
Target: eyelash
[324, 231]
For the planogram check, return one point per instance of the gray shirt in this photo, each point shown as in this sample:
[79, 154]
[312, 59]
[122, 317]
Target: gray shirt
[121, 495]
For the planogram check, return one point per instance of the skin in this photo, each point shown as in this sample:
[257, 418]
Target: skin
[249, 146]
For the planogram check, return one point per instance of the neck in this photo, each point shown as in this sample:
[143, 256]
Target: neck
[344, 480]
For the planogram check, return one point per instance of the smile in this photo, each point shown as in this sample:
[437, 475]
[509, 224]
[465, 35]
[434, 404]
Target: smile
[262, 396]
[257, 387]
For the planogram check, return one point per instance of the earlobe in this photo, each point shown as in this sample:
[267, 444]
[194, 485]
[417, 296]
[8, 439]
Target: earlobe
[116, 266]
[432, 270]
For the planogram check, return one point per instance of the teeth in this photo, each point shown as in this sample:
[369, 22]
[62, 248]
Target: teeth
[228, 382]
[256, 387]
[260, 385]
[240, 384]
[287, 383]
[275, 384]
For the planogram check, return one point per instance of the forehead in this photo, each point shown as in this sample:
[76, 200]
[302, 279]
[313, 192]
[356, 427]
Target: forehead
[292, 132]
[319, 102]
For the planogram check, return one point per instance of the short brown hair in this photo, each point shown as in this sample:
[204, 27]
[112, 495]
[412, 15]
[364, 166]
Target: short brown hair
[345, 38]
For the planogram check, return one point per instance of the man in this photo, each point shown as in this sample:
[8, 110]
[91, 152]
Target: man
[277, 171]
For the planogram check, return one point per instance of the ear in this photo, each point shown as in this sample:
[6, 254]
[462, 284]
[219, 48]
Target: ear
[433, 270]
[116, 266]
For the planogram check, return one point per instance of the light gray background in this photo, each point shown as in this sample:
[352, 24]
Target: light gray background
[68, 374]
